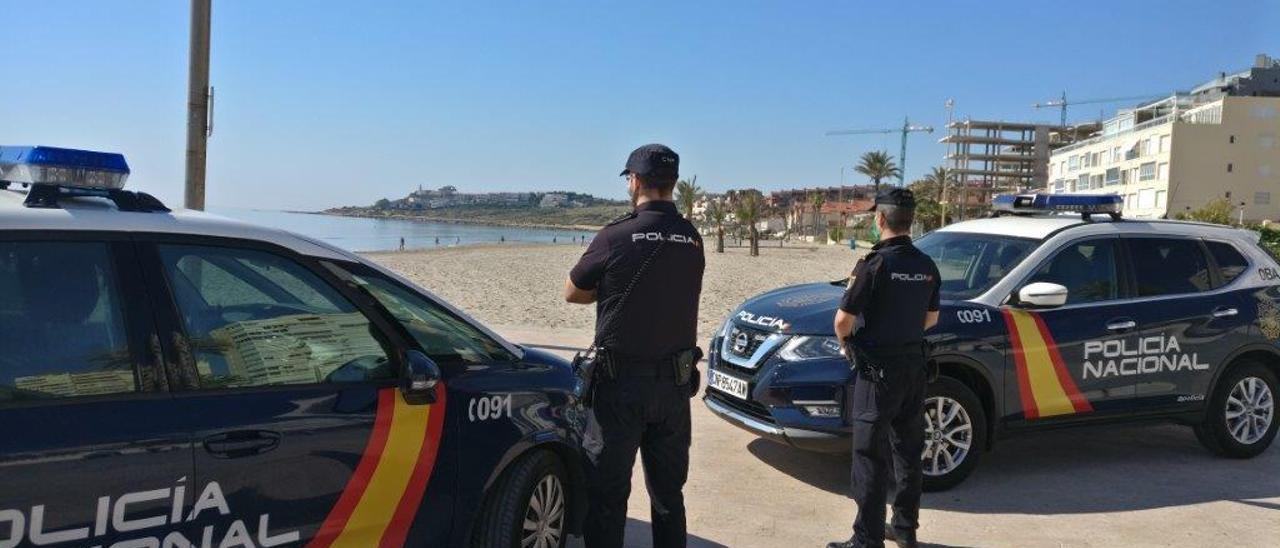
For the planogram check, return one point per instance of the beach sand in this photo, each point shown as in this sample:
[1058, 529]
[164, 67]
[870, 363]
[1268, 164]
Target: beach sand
[519, 288]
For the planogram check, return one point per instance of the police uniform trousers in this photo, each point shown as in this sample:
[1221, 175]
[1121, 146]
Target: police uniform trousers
[649, 413]
[888, 440]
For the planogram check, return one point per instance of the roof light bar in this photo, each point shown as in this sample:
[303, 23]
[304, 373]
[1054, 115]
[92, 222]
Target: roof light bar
[40, 165]
[1084, 204]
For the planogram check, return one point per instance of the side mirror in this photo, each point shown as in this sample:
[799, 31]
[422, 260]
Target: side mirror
[419, 384]
[1042, 295]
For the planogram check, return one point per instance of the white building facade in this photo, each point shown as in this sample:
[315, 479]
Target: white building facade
[1172, 156]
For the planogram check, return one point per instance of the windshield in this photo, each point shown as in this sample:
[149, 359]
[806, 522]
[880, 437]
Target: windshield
[971, 263]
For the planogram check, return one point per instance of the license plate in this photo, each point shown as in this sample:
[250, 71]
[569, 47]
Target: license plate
[728, 384]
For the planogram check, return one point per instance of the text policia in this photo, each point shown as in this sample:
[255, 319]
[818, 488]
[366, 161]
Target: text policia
[1139, 356]
[156, 530]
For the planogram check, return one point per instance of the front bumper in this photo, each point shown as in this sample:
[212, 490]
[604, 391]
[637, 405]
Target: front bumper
[800, 438]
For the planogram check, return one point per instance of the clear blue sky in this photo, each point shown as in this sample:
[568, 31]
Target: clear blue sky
[332, 103]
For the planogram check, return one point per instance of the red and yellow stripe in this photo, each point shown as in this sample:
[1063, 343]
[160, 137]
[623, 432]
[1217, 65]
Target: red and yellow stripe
[378, 504]
[1045, 386]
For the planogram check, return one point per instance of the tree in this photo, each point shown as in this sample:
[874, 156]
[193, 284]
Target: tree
[717, 212]
[749, 209]
[877, 165]
[687, 194]
[382, 204]
[1217, 212]
[816, 200]
[945, 186]
[928, 193]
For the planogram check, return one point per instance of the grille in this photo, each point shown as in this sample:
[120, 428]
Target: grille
[750, 408]
[742, 342]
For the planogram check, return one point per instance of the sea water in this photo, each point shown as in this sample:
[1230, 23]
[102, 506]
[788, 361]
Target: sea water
[361, 234]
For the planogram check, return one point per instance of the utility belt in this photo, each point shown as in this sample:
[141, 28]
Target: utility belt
[868, 362]
[604, 364]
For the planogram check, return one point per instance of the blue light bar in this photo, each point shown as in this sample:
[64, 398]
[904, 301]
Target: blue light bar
[1058, 203]
[63, 167]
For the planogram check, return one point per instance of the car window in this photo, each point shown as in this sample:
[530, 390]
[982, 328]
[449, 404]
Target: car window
[1231, 264]
[62, 330]
[971, 263]
[255, 319]
[443, 336]
[1087, 269]
[1168, 266]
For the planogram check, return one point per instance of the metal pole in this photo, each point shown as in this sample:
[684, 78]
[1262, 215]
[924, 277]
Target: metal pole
[1064, 109]
[197, 104]
[950, 104]
[902, 158]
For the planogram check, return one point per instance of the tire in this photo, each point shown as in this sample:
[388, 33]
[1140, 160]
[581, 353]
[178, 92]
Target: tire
[939, 474]
[1237, 436]
[537, 476]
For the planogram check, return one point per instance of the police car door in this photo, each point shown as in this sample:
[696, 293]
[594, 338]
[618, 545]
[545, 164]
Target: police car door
[90, 450]
[291, 394]
[1186, 328]
[1059, 356]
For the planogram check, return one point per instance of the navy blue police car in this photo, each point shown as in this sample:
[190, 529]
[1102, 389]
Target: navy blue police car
[1047, 320]
[171, 378]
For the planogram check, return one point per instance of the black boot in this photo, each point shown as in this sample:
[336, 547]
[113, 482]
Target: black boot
[907, 541]
[846, 544]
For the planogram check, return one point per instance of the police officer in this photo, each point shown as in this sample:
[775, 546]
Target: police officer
[644, 272]
[892, 299]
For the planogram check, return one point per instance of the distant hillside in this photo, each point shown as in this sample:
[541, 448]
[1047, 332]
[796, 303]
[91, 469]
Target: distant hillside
[545, 209]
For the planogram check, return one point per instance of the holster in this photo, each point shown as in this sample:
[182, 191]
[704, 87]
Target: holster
[865, 367]
[685, 365]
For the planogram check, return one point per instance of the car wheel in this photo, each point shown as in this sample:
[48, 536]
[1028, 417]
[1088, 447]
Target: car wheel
[955, 433]
[1241, 420]
[527, 508]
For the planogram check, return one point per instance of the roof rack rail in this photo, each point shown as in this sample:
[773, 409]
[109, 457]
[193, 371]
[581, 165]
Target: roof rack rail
[46, 196]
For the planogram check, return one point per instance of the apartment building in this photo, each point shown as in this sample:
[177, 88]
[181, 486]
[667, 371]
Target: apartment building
[1179, 153]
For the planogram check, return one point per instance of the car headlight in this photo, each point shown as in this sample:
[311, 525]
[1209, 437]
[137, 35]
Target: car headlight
[724, 329]
[811, 348]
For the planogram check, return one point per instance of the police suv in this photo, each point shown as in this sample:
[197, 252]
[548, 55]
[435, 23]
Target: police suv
[171, 378]
[1047, 320]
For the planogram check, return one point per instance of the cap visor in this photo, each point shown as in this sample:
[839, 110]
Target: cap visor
[624, 172]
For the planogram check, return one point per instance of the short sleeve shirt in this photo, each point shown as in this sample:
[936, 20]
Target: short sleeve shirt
[660, 317]
[890, 291]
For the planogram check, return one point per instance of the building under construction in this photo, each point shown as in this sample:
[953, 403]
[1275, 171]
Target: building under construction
[988, 158]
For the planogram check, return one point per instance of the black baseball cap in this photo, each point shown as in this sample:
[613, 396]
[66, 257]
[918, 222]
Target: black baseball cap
[899, 197]
[653, 160]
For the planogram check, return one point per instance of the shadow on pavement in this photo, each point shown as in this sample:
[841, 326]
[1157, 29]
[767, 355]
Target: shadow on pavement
[1084, 470]
[639, 536]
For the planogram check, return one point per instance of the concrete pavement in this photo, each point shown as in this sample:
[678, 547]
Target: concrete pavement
[1149, 485]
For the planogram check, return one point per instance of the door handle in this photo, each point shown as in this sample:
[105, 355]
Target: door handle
[241, 443]
[1224, 312]
[1121, 325]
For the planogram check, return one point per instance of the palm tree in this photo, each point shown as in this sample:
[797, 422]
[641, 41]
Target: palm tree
[717, 212]
[687, 194]
[877, 165]
[942, 185]
[749, 209]
[816, 200]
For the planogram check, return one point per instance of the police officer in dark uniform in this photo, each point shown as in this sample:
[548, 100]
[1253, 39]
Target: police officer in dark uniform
[644, 272]
[892, 299]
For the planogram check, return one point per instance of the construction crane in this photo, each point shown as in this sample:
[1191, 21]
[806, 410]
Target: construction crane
[905, 129]
[1062, 103]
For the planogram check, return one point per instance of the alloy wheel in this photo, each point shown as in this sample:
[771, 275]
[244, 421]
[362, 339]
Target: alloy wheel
[544, 518]
[1250, 410]
[948, 435]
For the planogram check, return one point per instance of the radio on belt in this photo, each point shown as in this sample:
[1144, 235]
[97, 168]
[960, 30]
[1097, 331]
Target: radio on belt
[1041, 203]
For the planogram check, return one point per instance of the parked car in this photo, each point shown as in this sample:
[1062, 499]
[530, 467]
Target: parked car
[1048, 320]
[174, 378]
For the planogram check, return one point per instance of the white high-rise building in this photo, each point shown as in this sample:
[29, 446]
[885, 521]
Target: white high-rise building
[1179, 153]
